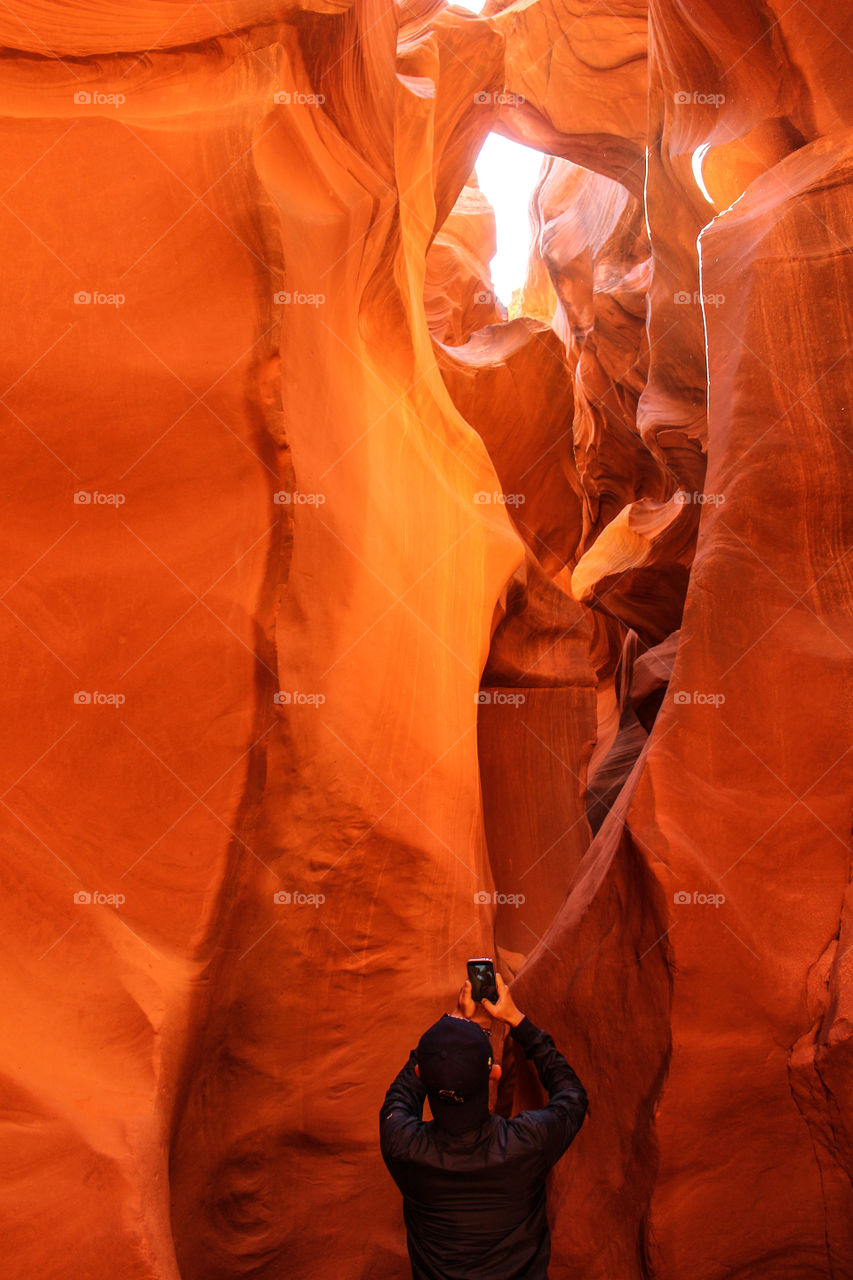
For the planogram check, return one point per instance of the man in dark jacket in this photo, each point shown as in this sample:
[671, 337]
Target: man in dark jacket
[473, 1183]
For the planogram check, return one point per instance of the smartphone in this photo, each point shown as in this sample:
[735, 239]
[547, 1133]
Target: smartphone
[481, 973]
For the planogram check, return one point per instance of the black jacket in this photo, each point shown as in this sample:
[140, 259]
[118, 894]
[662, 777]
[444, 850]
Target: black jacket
[474, 1205]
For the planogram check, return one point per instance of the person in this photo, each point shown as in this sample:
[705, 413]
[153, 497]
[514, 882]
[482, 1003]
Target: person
[473, 1183]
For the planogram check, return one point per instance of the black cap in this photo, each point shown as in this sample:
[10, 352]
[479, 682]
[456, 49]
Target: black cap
[454, 1059]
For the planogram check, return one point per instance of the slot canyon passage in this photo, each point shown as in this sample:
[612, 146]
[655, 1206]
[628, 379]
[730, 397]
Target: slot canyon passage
[356, 623]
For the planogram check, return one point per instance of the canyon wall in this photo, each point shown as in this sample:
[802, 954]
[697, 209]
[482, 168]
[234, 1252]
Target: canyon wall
[355, 627]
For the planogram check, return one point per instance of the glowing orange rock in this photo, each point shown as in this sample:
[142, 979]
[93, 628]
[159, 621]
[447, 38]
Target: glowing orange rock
[458, 296]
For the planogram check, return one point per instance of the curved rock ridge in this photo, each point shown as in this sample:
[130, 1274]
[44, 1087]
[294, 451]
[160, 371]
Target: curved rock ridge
[79, 28]
[576, 76]
[510, 382]
[459, 297]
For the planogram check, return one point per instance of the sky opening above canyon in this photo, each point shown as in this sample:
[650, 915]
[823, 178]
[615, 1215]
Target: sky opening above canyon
[507, 173]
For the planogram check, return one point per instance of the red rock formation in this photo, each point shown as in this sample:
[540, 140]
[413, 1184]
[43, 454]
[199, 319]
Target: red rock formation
[511, 383]
[575, 77]
[139, 482]
[458, 295]
[734, 830]
[290, 698]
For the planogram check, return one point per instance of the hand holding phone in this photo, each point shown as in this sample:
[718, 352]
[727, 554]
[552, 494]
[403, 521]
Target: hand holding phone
[505, 1009]
[481, 975]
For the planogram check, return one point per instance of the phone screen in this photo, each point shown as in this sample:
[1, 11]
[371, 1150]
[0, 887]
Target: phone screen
[481, 973]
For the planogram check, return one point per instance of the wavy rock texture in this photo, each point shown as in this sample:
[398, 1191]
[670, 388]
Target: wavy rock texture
[733, 830]
[344, 614]
[458, 294]
[576, 73]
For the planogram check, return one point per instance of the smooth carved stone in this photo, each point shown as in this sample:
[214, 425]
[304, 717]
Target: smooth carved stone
[575, 75]
[533, 742]
[77, 28]
[641, 681]
[638, 569]
[591, 241]
[651, 673]
[370, 798]
[140, 471]
[541, 636]
[458, 295]
[511, 382]
[764, 819]
[605, 950]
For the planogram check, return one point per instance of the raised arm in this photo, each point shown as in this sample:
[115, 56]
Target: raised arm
[403, 1106]
[557, 1123]
[553, 1127]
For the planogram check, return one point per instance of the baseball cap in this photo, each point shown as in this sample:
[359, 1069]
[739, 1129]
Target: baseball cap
[454, 1058]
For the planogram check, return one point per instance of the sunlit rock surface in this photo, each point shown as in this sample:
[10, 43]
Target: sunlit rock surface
[458, 294]
[353, 629]
[576, 76]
